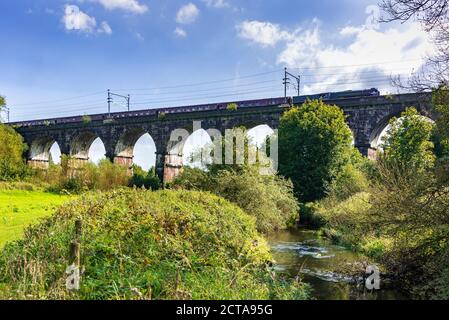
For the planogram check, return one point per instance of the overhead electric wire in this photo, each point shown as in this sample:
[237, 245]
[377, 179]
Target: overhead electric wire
[208, 95]
[217, 81]
[61, 100]
[177, 96]
[201, 83]
[205, 90]
[356, 65]
[195, 98]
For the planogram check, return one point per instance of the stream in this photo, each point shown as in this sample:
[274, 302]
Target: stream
[315, 259]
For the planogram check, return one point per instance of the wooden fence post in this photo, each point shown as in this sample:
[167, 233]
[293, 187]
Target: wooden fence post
[75, 245]
[72, 282]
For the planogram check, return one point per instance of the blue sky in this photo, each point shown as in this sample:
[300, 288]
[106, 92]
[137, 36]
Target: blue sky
[59, 57]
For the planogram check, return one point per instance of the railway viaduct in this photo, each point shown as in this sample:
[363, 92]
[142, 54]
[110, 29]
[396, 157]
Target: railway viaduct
[366, 116]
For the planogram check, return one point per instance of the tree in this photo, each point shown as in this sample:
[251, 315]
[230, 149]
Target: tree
[2, 104]
[433, 15]
[12, 148]
[314, 145]
[440, 102]
[408, 142]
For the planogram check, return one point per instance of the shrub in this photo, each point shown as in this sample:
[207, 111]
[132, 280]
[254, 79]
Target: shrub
[348, 182]
[148, 180]
[268, 198]
[68, 177]
[111, 175]
[232, 107]
[12, 148]
[87, 119]
[153, 245]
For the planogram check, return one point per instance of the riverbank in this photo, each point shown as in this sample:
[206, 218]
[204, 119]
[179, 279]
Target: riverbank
[321, 264]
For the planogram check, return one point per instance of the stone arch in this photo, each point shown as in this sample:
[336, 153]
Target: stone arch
[383, 125]
[39, 154]
[259, 133]
[145, 152]
[125, 150]
[97, 151]
[55, 153]
[249, 124]
[80, 146]
[264, 147]
[195, 149]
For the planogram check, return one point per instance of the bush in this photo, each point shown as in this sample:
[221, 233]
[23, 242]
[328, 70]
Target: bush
[87, 119]
[153, 245]
[12, 149]
[308, 216]
[67, 177]
[268, 198]
[141, 179]
[232, 107]
[348, 182]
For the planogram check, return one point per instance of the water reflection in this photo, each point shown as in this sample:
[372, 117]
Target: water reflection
[304, 252]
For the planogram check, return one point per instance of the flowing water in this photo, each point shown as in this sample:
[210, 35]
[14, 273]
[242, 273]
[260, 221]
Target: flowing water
[315, 259]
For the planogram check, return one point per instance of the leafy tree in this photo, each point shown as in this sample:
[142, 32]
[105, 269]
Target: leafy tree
[12, 148]
[314, 145]
[2, 104]
[408, 141]
[440, 100]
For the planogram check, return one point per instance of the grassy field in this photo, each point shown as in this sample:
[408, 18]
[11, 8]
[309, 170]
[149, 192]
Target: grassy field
[20, 208]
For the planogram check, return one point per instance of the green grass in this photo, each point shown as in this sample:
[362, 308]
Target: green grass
[21, 208]
[170, 244]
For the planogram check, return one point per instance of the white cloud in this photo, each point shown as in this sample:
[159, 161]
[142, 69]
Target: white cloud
[127, 5]
[216, 3]
[104, 27]
[262, 33]
[75, 19]
[366, 55]
[187, 14]
[180, 33]
[350, 30]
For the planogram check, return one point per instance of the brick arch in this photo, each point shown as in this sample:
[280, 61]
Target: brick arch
[383, 122]
[124, 148]
[39, 151]
[190, 137]
[81, 143]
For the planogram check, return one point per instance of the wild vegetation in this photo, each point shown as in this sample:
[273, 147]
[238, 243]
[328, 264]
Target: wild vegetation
[394, 210]
[146, 245]
[401, 219]
[268, 198]
[12, 148]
